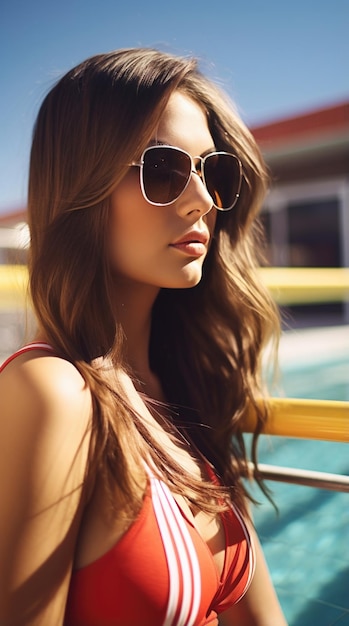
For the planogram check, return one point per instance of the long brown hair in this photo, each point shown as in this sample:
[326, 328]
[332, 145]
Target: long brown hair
[206, 342]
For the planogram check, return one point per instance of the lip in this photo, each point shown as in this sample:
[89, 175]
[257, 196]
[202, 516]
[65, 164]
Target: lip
[192, 237]
[193, 243]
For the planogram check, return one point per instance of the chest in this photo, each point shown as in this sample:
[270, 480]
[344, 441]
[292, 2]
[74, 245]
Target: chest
[161, 571]
[100, 532]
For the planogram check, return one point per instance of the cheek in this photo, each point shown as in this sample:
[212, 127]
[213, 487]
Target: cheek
[123, 219]
[132, 226]
[127, 206]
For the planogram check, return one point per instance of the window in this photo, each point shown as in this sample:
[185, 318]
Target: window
[313, 234]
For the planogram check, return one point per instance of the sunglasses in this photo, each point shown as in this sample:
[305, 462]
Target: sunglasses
[165, 172]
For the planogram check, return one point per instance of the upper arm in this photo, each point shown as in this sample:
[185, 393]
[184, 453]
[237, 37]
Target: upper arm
[260, 605]
[44, 438]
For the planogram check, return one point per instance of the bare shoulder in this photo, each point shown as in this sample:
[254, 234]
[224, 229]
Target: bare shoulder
[44, 385]
[45, 420]
[44, 370]
[45, 409]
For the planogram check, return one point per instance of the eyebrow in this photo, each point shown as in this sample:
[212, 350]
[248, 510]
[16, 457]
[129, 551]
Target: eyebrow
[158, 142]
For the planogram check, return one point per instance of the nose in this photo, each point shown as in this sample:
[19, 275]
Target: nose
[195, 198]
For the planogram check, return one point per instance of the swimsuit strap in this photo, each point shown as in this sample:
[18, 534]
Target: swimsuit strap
[38, 345]
[184, 595]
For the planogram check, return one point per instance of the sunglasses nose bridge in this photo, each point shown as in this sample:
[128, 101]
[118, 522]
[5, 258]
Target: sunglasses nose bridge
[197, 168]
[200, 189]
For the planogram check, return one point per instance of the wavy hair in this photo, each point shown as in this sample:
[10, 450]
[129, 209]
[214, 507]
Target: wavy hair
[206, 342]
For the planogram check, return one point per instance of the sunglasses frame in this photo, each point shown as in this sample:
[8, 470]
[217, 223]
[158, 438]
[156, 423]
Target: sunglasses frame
[193, 170]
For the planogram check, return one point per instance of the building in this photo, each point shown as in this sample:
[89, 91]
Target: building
[306, 214]
[14, 236]
[307, 211]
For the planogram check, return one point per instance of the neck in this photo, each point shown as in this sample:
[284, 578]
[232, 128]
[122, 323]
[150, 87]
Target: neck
[134, 310]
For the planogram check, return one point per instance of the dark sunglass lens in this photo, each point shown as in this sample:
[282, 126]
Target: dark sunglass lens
[222, 178]
[165, 174]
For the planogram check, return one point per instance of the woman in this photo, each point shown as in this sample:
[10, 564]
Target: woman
[121, 445]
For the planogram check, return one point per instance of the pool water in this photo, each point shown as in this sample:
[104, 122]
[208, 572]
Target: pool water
[307, 543]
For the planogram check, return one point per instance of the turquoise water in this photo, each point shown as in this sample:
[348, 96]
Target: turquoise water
[307, 543]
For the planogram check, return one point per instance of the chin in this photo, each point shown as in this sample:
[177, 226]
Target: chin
[187, 280]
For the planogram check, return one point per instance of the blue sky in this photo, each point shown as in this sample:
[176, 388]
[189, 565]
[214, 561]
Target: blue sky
[274, 58]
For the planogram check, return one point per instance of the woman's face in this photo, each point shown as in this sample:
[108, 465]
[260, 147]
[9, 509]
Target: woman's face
[165, 246]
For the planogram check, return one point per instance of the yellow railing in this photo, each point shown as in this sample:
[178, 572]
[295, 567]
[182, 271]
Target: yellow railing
[307, 419]
[287, 285]
[13, 286]
[305, 285]
[313, 419]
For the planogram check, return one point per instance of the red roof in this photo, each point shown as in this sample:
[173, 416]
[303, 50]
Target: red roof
[12, 217]
[328, 121]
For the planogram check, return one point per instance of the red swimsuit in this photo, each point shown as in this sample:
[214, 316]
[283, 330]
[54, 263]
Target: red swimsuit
[161, 572]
